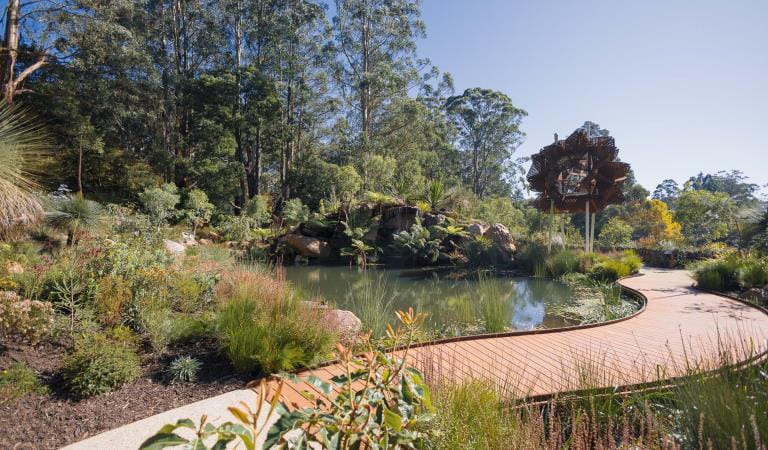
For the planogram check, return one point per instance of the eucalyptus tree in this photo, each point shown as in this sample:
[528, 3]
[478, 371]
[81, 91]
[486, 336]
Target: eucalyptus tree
[488, 126]
[377, 62]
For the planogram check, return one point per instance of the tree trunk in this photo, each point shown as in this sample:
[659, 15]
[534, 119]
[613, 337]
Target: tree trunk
[10, 50]
[80, 169]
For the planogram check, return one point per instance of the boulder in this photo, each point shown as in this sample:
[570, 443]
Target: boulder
[188, 239]
[431, 220]
[477, 229]
[205, 241]
[315, 229]
[345, 323]
[173, 247]
[502, 241]
[206, 233]
[400, 218]
[308, 247]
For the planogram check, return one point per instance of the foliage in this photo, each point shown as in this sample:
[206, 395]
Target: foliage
[160, 202]
[258, 210]
[611, 268]
[435, 194]
[21, 142]
[264, 328]
[99, 366]
[652, 219]
[183, 369]
[478, 250]
[616, 233]
[704, 215]
[360, 251]
[197, 208]
[731, 272]
[294, 212]
[22, 319]
[418, 243]
[377, 172]
[18, 380]
[493, 303]
[488, 126]
[372, 303]
[561, 263]
[73, 214]
[378, 402]
[500, 210]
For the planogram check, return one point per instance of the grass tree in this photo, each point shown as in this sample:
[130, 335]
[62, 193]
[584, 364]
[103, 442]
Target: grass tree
[21, 144]
[73, 214]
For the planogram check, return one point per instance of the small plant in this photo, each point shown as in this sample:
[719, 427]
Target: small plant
[295, 212]
[435, 194]
[360, 251]
[74, 214]
[98, 366]
[183, 369]
[25, 320]
[198, 209]
[418, 243]
[19, 380]
[494, 307]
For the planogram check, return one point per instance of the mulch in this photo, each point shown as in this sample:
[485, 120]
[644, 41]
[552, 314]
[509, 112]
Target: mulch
[54, 420]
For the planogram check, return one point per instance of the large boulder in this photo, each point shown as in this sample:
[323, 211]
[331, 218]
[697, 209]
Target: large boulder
[173, 247]
[345, 323]
[399, 218]
[316, 229]
[502, 241]
[477, 229]
[308, 247]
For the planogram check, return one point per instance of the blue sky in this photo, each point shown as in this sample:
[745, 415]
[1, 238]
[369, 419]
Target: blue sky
[681, 84]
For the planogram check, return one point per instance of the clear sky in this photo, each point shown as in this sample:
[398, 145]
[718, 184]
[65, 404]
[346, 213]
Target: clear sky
[681, 84]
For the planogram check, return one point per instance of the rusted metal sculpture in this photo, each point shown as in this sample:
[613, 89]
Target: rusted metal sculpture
[578, 174]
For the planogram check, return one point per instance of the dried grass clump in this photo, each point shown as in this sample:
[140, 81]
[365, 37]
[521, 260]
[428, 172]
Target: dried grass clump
[22, 143]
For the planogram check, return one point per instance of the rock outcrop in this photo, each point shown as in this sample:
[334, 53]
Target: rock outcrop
[308, 247]
[344, 322]
[502, 241]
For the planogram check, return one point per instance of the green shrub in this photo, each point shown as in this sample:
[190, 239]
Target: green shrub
[561, 263]
[98, 366]
[718, 274]
[612, 267]
[753, 273]
[19, 380]
[183, 369]
[471, 416]
[259, 335]
[494, 307]
[189, 329]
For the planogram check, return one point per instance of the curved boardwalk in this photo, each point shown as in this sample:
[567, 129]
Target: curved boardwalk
[679, 329]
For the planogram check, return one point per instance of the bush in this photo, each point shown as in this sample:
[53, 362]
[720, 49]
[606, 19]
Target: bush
[561, 263]
[98, 366]
[611, 268]
[26, 320]
[183, 369]
[753, 273]
[471, 416]
[112, 293]
[188, 329]
[19, 380]
[718, 274]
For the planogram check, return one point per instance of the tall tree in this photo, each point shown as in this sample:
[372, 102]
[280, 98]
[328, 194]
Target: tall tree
[666, 191]
[376, 41]
[489, 133]
[732, 183]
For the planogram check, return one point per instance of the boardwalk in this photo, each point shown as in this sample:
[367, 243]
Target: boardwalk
[679, 327]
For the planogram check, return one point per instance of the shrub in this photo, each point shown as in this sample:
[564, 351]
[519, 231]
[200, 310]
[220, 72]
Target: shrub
[156, 322]
[471, 416]
[494, 307]
[753, 273]
[561, 263]
[183, 369]
[7, 284]
[198, 209]
[271, 336]
[188, 329]
[73, 214]
[26, 320]
[294, 212]
[611, 268]
[19, 380]
[160, 202]
[98, 366]
[112, 293]
[718, 274]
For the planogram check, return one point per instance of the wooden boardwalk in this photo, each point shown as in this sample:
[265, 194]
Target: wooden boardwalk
[680, 329]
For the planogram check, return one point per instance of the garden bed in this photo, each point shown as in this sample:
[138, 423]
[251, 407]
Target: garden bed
[54, 420]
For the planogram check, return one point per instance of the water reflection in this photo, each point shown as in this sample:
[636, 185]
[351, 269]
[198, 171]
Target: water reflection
[374, 294]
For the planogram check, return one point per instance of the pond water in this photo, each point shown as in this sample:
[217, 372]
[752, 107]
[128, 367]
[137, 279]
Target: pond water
[453, 306]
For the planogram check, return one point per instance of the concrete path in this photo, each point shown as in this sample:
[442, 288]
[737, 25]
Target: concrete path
[679, 329]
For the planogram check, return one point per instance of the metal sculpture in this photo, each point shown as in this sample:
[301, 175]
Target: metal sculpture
[578, 174]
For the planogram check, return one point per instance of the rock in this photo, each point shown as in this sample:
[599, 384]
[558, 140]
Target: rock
[308, 246]
[14, 268]
[231, 244]
[371, 234]
[431, 220]
[208, 234]
[315, 229]
[400, 218]
[188, 239]
[346, 323]
[205, 241]
[502, 241]
[477, 229]
[173, 247]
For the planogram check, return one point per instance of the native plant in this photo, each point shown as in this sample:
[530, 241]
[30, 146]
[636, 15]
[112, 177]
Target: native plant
[377, 402]
[73, 214]
[21, 142]
[418, 243]
[98, 366]
[160, 203]
[183, 369]
[198, 209]
[435, 194]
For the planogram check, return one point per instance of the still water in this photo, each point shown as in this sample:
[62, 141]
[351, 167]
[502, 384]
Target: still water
[530, 302]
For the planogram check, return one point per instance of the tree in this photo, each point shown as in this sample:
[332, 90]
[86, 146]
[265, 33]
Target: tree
[198, 209]
[160, 202]
[653, 221]
[376, 42]
[732, 183]
[667, 191]
[704, 215]
[488, 126]
[615, 234]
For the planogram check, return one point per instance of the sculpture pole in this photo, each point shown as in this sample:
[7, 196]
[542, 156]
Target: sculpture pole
[586, 229]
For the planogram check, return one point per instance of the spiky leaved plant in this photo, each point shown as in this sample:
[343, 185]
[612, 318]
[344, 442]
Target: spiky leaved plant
[22, 143]
[74, 213]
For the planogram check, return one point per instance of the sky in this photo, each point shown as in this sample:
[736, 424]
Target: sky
[682, 85]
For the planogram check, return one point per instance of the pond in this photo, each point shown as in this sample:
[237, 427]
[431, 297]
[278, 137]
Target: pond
[454, 307]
